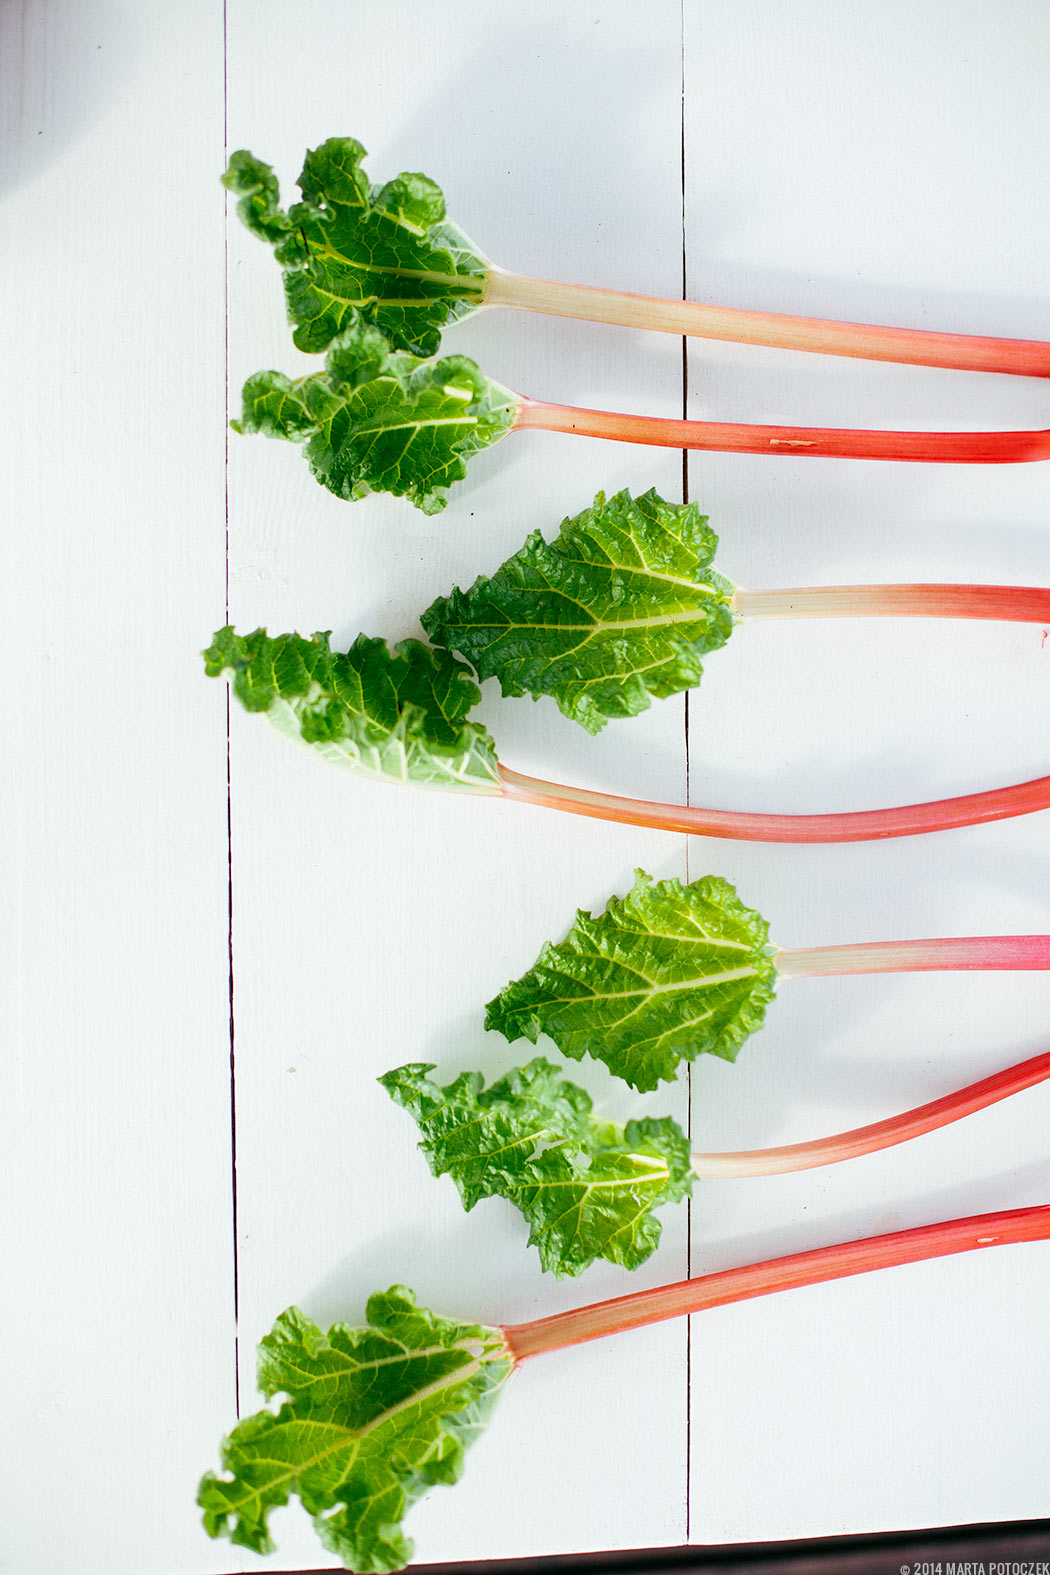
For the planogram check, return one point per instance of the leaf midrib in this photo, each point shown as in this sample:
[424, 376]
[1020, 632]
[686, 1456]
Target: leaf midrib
[728, 976]
[475, 286]
[357, 1435]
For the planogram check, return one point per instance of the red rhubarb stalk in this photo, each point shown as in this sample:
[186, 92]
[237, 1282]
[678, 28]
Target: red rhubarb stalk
[1005, 603]
[909, 820]
[727, 437]
[735, 325]
[777, 1274]
[880, 1134]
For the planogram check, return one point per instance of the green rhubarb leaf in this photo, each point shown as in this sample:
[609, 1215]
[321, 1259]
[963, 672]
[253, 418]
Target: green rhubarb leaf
[373, 1418]
[621, 606]
[399, 715]
[380, 420]
[587, 1187]
[662, 975]
[388, 252]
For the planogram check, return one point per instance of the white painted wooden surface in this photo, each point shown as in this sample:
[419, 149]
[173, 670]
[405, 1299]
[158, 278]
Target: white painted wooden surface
[116, 1318]
[875, 163]
[882, 163]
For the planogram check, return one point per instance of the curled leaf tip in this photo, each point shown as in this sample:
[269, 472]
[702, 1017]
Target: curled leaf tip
[587, 1187]
[381, 420]
[399, 715]
[386, 251]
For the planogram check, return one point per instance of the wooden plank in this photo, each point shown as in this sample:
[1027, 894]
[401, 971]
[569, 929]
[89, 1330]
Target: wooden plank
[117, 1323]
[881, 164]
[372, 924]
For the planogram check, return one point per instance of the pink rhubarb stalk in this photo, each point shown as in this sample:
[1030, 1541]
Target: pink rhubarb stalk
[778, 1274]
[728, 437]
[1005, 603]
[735, 325]
[971, 809]
[955, 953]
[880, 1134]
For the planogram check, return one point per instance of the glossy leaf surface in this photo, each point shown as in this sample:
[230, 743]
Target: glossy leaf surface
[374, 1417]
[398, 715]
[587, 1187]
[388, 252]
[620, 607]
[380, 420]
[659, 977]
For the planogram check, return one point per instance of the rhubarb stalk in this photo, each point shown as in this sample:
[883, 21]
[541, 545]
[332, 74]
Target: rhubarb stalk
[955, 953]
[390, 251]
[371, 1417]
[735, 325]
[970, 809]
[590, 1188]
[671, 970]
[777, 1274]
[410, 722]
[727, 437]
[375, 419]
[880, 1134]
[1005, 603]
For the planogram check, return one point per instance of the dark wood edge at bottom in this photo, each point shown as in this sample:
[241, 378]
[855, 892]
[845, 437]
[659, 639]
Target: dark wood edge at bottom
[1019, 1547]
